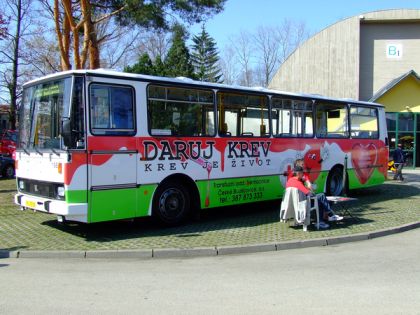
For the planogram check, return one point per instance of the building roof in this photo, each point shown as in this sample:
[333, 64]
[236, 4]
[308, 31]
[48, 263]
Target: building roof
[393, 83]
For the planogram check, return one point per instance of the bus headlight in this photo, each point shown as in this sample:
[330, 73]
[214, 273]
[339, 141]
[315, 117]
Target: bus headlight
[21, 185]
[60, 192]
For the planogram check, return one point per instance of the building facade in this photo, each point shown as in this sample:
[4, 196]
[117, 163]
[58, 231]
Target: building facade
[374, 56]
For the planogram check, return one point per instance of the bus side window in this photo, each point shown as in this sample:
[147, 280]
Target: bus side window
[331, 120]
[363, 122]
[179, 111]
[111, 109]
[242, 114]
[122, 109]
[292, 117]
[224, 130]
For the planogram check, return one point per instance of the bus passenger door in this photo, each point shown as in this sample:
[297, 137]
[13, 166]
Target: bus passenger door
[112, 151]
[113, 178]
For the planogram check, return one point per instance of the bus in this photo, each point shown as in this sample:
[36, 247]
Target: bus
[101, 145]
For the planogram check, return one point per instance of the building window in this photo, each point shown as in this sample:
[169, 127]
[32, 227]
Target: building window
[403, 128]
[391, 121]
[405, 121]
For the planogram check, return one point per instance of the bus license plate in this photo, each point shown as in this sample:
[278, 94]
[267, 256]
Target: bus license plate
[30, 204]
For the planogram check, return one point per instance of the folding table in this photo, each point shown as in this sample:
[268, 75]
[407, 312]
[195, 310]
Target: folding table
[343, 203]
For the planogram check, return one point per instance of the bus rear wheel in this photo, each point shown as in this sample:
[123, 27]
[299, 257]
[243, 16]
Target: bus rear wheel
[335, 182]
[171, 203]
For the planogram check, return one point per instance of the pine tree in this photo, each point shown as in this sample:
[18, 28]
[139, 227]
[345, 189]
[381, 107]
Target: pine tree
[143, 66]
[205, 58]
[159, 67]
[178, 60]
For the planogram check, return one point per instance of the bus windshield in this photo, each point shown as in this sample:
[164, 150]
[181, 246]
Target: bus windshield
[43, 108]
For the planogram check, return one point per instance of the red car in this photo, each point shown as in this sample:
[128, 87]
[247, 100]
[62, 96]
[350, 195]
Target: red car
[8, 141]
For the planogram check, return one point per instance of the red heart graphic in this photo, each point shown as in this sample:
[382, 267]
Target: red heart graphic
[312, 162]
[363, 158]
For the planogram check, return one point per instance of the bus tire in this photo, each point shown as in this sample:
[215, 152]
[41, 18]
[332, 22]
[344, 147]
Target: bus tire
[335, 182]
[171, 203]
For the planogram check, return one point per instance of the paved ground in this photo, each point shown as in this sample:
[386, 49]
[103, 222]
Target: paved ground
[386, 206]
[381, 276]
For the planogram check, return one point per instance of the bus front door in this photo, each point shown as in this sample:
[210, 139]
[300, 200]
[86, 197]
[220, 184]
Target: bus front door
[112, 185]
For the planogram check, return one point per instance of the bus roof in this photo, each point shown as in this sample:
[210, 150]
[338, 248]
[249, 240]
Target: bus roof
[183, 80]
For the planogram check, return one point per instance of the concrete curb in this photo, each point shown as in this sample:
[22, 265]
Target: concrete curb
[245, 249]
[51, 254]
[206, 251]
[184, 252]
[122, 254]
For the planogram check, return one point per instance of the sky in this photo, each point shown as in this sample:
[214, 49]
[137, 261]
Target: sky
[248, 15]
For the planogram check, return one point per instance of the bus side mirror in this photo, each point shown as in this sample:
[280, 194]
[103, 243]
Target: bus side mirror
[66, 132]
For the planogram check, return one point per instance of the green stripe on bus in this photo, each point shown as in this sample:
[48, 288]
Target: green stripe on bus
[376, 178]
[76, 196]
[116, 204]
[233, 191]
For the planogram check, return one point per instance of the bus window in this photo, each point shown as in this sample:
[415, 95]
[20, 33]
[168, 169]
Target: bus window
[363, 122]
[180, 111]
[243, 115]
[77, 115]
[292, 118]
[331, 120]
[111, 109]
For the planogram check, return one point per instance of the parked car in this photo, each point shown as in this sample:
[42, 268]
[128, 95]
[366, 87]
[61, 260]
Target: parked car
[7, 167]
[8, 141]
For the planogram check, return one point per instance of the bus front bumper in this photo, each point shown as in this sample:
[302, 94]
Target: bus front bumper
[70, 212]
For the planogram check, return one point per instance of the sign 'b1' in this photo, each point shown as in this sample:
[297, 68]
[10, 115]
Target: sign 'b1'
[394, 51]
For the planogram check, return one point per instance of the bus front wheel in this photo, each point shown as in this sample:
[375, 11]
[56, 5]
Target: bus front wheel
[171, 203]
[335, 182]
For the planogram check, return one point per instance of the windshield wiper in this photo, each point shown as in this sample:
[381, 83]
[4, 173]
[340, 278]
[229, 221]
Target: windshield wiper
[37, 151]
[23, 148]
[55, 152]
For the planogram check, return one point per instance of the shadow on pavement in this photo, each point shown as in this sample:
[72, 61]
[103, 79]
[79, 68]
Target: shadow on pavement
[234, 217]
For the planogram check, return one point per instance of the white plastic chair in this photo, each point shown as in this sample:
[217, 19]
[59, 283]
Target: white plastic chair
[292, 207]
